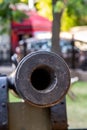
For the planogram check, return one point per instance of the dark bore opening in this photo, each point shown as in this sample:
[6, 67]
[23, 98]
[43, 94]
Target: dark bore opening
[41, 77]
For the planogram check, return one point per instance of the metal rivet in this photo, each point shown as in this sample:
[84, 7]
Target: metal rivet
[62, 103]
[3, 104]
[4, 123]
[3, 86]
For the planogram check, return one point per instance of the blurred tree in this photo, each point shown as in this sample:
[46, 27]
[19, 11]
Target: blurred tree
[58, 7]
[75, 14]
[74, 11]
[71, 13]
[66, 14]
[8, 13]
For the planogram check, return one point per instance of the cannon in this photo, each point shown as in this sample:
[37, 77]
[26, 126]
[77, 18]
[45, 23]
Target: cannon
[42, 80]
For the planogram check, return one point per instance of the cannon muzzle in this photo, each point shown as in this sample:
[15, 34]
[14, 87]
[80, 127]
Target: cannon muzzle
[42, 79]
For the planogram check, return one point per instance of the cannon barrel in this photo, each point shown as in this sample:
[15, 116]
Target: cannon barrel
[42, 78]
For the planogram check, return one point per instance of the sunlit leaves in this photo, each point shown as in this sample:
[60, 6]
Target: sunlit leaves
[44, 8]
[24, 1]
[77, 9]
[68, 22]
[1, 1]
[59, 6]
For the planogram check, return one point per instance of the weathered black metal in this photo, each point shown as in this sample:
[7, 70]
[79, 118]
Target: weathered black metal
[3, 103]
[59, 116]
[42, 78]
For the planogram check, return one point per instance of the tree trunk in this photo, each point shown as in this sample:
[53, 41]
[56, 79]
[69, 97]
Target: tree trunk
[56, 48]
[56, 30]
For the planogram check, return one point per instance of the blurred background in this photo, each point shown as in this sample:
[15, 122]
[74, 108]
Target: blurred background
[51, 25]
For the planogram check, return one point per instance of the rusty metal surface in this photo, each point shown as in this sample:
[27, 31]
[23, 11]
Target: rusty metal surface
[59, 116]
[3, 103]
[42, 78]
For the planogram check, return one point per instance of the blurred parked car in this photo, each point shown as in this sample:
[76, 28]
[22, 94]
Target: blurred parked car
[46, 44]
[73, 47]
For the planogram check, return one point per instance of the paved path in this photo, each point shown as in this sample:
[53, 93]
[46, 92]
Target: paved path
[6, 69]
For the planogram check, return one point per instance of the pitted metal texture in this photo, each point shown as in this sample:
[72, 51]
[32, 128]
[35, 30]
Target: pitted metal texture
[42, 78]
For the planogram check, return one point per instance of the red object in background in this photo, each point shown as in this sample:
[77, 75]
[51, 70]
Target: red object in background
[14, 40]
[34, 23]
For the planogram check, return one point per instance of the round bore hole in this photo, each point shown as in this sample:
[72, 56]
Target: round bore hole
[41, 77]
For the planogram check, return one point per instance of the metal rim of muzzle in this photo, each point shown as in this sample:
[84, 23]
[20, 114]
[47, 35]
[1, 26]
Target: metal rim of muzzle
[42, 78]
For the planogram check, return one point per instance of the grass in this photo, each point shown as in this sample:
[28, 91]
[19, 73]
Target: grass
[13, 97]
[76, 109]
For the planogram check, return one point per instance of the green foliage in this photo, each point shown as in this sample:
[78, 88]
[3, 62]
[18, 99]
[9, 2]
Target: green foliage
[18, 15]
[75, 14]
[6, 11]
[77, 7]
[13, 97]
[75, 11]
[24, 1]
[59, 6]
[68, 22]
[44, 8]
[8, 14]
